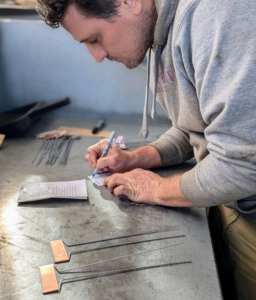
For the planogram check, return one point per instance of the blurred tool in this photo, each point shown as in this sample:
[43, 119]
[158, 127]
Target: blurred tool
[2, 136]
[119, 142]
[15, 122]
[67, 148]
[99, 126]
[84, 132]
[53, 144]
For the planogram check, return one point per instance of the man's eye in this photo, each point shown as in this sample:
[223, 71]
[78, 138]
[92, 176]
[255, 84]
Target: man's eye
[93, 41]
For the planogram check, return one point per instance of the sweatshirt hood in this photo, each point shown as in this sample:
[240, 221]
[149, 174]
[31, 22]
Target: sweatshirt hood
[166, 10]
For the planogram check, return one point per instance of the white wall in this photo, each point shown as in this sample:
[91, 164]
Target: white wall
[41, 63]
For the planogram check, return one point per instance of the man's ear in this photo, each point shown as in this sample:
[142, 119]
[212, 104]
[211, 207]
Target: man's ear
[134, 6]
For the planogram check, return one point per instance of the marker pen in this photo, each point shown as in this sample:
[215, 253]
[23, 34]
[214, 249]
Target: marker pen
[99, 126]
[105, 150]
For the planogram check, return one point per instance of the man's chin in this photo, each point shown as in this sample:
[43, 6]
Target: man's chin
[131, 64]
[113, 59]
[130, 67]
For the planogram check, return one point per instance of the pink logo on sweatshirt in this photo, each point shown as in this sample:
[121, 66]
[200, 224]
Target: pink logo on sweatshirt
[164, 79]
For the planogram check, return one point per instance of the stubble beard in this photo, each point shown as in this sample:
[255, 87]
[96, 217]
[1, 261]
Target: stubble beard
[143, 36]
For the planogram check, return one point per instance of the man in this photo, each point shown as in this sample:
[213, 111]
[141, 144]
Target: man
[202, 62]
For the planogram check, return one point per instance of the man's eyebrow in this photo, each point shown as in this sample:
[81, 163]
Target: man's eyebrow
[84, 40]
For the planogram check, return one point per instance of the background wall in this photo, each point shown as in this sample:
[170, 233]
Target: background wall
[41, 63]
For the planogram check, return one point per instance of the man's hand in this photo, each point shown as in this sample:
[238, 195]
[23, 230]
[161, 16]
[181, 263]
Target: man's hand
[147, 187]
[119, 161]
[116, 160]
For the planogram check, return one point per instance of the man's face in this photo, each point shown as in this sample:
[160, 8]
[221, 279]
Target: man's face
[125, 39]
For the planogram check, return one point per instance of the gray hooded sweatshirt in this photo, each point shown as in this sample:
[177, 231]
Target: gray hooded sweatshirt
[203, 73]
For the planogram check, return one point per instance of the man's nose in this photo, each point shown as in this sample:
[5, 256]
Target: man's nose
[97, 52]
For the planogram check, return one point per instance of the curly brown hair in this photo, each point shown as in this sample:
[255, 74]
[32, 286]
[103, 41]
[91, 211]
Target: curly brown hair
[53, 11]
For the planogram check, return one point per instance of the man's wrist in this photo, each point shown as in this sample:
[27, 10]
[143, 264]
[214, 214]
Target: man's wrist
[169, 193]
[146, 157]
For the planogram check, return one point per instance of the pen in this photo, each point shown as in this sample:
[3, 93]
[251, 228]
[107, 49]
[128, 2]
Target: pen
[105, 150]
[98, 127]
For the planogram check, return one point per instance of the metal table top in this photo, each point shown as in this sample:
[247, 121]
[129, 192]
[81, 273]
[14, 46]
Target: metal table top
[27, 229]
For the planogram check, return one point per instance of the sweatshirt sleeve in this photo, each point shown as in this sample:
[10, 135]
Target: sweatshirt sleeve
[224, 64]
[174, 147]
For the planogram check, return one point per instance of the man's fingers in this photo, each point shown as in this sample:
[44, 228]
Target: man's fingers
[118, 185]
[94, 153]
[102, 163]
[113, 181]
[91, 161]
[122, 190]
[110, 182]
[106, 169]
[106, 180]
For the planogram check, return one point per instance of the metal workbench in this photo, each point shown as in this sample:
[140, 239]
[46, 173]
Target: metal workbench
[27, 229]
